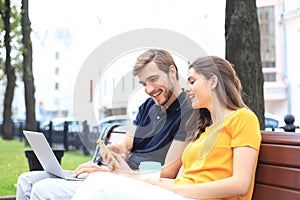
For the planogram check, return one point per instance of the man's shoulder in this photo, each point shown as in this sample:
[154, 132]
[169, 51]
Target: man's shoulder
[146, 106]
[149, 102]
[184, 102]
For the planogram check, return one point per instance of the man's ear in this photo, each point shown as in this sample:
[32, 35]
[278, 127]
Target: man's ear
[173, 71]
[213, 81]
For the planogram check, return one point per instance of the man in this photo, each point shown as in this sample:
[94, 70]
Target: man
[158, 133]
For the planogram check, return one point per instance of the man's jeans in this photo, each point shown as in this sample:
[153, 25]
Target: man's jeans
[42, 185]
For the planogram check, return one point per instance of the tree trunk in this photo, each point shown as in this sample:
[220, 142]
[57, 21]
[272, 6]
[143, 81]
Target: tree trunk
[10, 75]
[31, 123]
[243, 51]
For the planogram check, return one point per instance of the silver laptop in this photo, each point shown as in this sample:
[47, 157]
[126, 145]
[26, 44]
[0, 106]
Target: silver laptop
[45, 155]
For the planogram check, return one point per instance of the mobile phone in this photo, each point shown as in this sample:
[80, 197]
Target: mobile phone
[108, 152]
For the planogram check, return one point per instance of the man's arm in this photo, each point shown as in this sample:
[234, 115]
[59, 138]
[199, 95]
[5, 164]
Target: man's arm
[124, 146]
[127, 141]
[173, 159]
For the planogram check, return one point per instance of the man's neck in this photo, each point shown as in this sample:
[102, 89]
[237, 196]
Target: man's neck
[173, 97]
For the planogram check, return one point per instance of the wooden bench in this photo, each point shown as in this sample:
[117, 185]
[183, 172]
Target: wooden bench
[278, 169]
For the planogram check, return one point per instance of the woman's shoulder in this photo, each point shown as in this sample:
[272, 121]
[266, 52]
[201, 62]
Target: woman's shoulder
[245, 112]
[245, 117]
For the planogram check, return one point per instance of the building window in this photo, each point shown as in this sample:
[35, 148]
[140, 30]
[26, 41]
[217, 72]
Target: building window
[57, 55]
[270, 77]
[113, 84]
[56, 71]
[267, 34]
[133, 82]
[56, 86]
[123, 84]
[104, 87]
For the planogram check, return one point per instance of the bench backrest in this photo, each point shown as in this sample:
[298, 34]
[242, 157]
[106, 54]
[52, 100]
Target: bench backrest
[278, 169]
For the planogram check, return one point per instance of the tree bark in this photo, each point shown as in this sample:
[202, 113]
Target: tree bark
[31, 123]
[10, 75]
[243, 51]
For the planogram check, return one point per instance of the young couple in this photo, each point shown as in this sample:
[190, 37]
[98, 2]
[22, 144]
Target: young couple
[208, 152]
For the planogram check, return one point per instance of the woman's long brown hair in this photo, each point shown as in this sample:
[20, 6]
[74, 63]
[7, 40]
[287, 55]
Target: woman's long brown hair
[229, 92]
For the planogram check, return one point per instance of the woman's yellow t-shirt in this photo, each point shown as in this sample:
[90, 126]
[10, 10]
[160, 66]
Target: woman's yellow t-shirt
[210, 157]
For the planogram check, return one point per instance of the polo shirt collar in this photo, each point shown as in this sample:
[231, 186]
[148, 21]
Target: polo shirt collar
[177, 104]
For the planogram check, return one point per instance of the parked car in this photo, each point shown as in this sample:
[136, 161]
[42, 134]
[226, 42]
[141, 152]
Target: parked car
[58, 124]
[273, 122]
[120, 119]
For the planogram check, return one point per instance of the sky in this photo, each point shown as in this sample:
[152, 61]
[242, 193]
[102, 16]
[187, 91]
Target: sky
[93, 21]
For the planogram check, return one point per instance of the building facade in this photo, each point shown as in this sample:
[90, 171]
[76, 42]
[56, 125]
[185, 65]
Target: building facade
[280, 39]
[60, 50]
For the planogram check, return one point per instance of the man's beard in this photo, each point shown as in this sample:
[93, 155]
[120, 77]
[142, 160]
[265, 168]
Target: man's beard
[168, 96]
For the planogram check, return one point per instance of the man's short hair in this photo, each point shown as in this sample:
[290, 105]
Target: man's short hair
[159, 56]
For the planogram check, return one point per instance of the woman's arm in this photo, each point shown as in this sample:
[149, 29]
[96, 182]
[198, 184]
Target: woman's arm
[238, 184]
[173, 160]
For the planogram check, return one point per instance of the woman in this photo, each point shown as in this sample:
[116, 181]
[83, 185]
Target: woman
[220, 159]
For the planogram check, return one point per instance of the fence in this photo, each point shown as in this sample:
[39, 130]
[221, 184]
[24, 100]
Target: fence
[65, 137]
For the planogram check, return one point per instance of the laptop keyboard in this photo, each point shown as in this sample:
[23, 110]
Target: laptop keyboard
[69, 174]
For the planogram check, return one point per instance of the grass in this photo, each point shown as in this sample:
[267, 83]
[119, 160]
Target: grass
[14, 162]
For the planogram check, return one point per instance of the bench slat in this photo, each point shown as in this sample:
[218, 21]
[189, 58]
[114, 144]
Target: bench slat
[278, 169]
[284, 177]
[264, 192]
[290, 138]
[284, 155]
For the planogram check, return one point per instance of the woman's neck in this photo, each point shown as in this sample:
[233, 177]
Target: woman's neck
[218, 112]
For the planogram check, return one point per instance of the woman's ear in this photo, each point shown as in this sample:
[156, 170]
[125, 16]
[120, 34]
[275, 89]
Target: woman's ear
[213, 81]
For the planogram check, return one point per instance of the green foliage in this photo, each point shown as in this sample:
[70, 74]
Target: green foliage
[2, 8]
[14, 162]
[16, 38]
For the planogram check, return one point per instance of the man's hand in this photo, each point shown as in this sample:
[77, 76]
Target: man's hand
[85, 169]
[110, 163]
[118, 153]
[117, 148]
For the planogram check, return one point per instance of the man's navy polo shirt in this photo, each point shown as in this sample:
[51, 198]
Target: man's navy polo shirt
[157, 128]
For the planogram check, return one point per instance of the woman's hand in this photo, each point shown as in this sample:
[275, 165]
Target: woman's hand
[165, 183]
